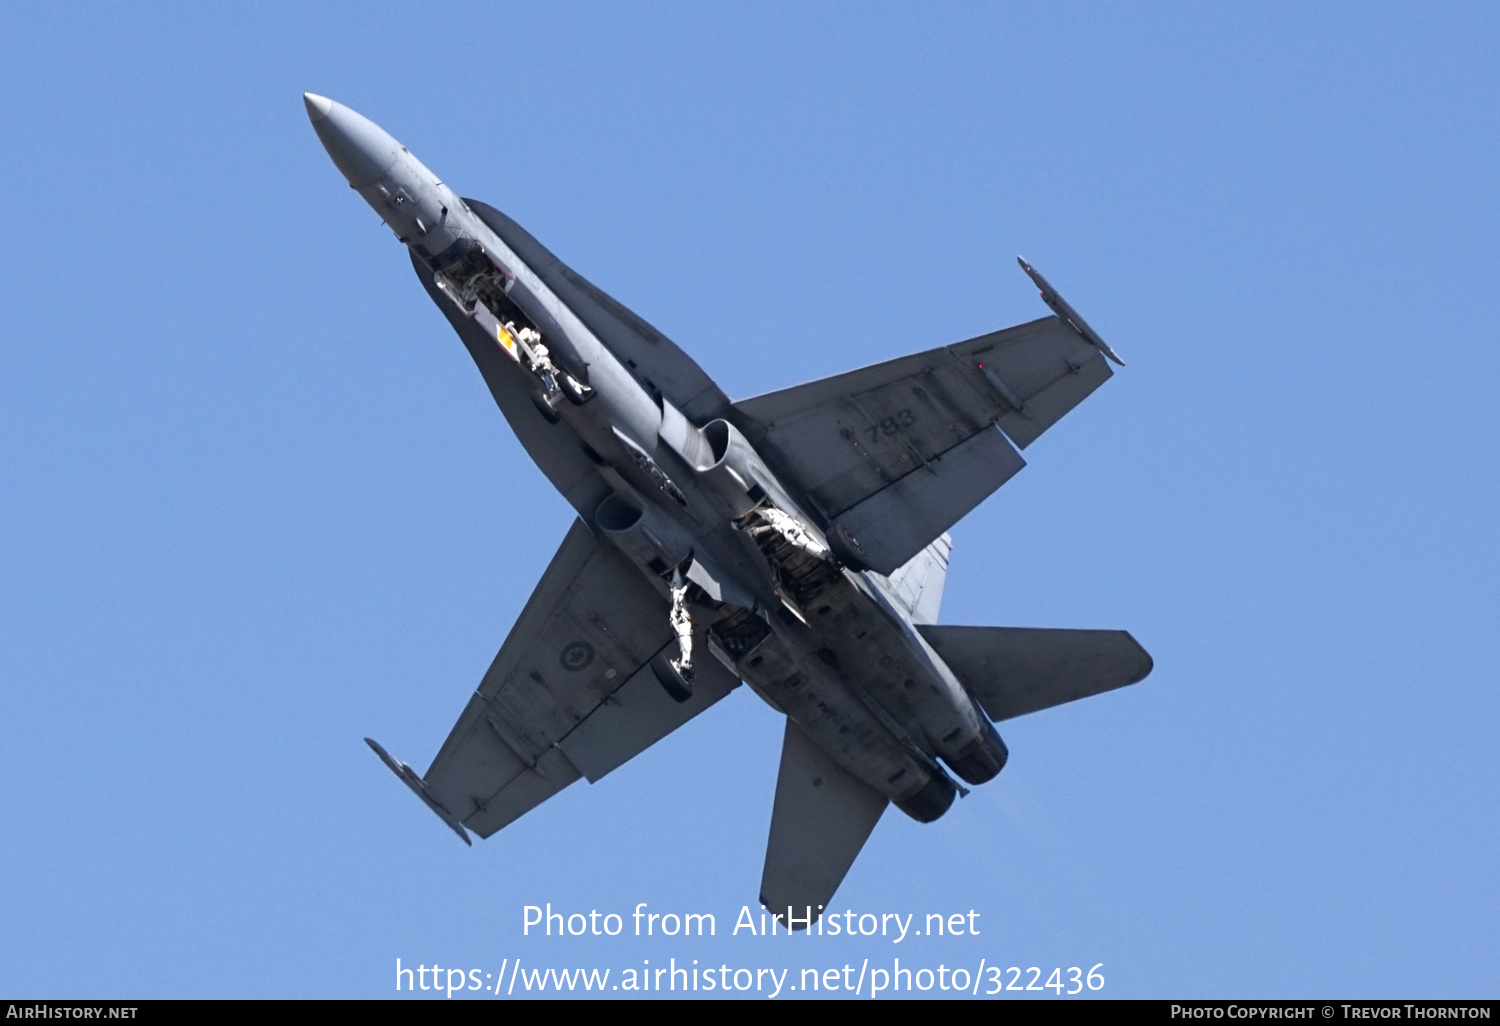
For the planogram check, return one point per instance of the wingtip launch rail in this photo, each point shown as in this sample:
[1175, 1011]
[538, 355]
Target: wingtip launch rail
[1065, 311]
[419, 787]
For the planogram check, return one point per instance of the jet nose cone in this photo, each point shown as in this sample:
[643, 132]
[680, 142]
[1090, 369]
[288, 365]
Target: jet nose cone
[317, 106]
[360, 148]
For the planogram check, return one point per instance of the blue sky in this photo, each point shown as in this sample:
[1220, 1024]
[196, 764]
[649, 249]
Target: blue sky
[255, 502]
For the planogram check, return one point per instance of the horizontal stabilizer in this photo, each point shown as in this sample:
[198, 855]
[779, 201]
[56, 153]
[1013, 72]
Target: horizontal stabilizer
[822, 818]
[1019, 670]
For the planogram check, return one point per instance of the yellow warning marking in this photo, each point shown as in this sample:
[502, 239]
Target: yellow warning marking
[505, 340]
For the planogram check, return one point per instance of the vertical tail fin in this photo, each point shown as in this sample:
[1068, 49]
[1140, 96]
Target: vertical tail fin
[919, 582]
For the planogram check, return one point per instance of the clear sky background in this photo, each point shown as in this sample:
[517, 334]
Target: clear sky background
[256, 503]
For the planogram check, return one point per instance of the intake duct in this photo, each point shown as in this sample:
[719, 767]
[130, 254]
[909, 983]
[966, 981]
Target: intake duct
[731, 468]
[643, 533]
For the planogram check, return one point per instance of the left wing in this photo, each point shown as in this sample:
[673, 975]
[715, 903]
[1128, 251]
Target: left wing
[892, 455]
[570, 694]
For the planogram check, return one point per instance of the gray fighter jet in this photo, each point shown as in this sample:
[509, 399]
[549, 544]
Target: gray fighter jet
[795, 541]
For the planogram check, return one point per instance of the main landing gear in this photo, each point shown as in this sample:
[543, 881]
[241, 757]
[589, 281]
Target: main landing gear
[676, 675]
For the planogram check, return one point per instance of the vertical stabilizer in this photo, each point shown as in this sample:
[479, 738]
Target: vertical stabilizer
[918, 584]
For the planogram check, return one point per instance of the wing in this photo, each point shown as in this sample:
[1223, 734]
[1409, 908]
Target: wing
[656, 361]
[1019, 670]
[570, 694]
[894, 454]
[822, 818]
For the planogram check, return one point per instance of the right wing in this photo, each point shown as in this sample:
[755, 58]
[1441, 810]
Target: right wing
[571, 692]
[894, 454]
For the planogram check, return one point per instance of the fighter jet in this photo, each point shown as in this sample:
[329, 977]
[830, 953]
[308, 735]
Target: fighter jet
[796, 542]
